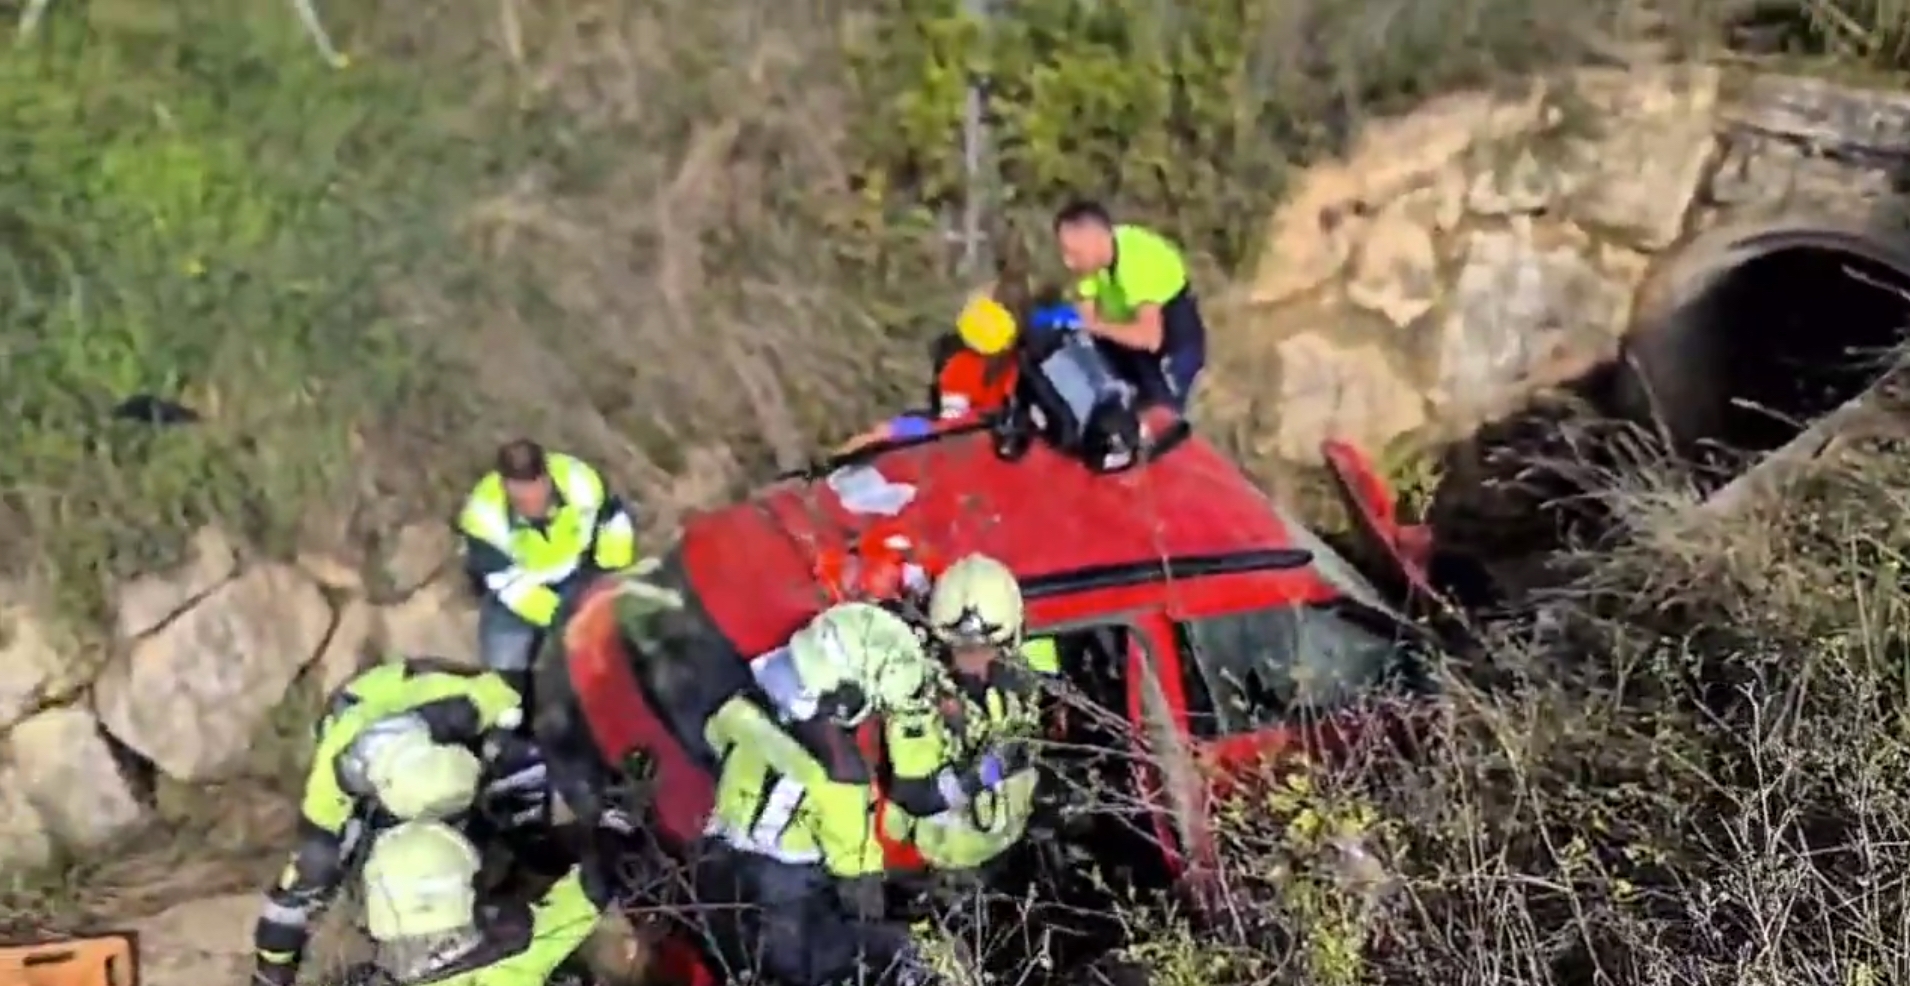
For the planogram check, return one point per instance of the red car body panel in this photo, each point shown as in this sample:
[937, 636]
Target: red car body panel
[621, 721]
[763, 567]
[755, 563]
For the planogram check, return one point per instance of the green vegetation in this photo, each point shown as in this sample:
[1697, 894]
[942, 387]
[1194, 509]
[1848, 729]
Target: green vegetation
[195, 208]
[542, 218]
[692, 240]
[1700, 778]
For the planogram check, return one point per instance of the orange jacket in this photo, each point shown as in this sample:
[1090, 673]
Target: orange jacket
[972, 384]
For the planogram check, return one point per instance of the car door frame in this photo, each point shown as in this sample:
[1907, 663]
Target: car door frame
[1149, 653]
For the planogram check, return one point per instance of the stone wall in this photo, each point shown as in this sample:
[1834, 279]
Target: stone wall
[1485, 247]
[197, 661]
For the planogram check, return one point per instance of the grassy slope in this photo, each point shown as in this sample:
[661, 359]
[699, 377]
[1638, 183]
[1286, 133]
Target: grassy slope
[623, 206]
[197, 207]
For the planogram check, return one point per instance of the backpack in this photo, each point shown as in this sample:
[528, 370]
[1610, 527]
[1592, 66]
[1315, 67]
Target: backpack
[1070, 395]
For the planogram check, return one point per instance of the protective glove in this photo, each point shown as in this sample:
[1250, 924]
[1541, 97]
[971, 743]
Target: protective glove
[991, 771]
[1001, 762]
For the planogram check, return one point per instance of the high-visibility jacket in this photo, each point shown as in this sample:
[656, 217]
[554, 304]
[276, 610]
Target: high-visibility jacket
[798, 793]
[521, 561]
[458, 705]
[937, 801]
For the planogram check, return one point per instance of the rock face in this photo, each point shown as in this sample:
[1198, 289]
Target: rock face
[1482, 248]
[63, 764]
[191, 696]
[201, 658]
[37, 662]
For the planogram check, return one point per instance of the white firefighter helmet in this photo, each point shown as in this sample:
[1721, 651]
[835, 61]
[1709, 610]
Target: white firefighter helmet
[420, 881]
[414, 777]
[976, 603]
[862, 648]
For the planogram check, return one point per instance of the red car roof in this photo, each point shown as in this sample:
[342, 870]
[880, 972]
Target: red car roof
[754, 563]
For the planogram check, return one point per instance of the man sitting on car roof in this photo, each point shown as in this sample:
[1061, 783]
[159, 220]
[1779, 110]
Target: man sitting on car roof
[1137, 302]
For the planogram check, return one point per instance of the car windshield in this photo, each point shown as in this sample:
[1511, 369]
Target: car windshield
[1255, 670]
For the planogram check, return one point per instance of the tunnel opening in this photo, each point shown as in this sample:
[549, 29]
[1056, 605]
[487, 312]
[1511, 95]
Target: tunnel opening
[1750, 342]
[1771, 345]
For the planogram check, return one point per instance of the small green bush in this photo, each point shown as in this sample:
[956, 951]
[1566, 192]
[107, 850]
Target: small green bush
[193, 207]
[1189, 114]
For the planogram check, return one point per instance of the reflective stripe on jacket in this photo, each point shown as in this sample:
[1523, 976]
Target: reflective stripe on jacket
[520, 561]
[800, 793]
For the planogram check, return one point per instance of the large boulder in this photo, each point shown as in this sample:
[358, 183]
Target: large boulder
[416, 555]
[191, 696]
[147, 602]
[348, 650]
[68, 772]
[38, 663]
[438, 620]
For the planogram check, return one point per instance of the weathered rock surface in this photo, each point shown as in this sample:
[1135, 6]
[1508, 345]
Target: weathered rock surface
[61, 762]
[417, 555]
[438, 620]
[150, 600]
[348, 651]
[1332, 392]
[199, 943]
[1516, 305]
[39, 663]
[191, 696]
[1505, 240]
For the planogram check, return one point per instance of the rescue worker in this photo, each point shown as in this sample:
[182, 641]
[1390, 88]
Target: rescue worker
[535, 528]
[1136, 300]
[975, 374]
[977, 615]
[396, 742]
[426, 923]
[963, 778]
[790, 871]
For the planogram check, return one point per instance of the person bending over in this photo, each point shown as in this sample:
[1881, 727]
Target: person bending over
[1134, 297]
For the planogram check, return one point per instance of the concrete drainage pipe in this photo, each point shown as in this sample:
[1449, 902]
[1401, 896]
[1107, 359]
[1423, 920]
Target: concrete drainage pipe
[1751, 335]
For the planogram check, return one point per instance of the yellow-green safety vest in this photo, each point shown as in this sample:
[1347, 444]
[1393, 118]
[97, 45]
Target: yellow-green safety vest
[775, 798]
[539, 556]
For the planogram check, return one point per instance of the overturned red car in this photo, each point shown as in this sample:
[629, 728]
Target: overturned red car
[1207, 619]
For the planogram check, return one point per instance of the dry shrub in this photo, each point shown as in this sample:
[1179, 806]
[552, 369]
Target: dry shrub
[1699, 777]
[660, 273]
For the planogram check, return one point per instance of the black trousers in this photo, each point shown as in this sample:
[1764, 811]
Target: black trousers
[787, 923]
